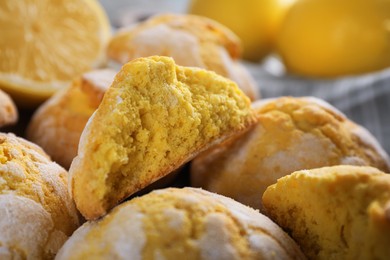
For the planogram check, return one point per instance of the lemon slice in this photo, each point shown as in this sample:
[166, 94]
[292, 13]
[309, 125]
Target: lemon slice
[44, 44]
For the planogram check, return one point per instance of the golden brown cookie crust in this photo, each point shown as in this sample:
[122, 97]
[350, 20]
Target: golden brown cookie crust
[57, 125]
[338, 212]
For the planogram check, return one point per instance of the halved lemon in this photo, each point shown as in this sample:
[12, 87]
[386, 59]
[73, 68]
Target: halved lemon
[44, 44]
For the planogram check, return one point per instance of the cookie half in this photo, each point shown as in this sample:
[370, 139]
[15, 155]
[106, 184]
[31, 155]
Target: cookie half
[155, 117]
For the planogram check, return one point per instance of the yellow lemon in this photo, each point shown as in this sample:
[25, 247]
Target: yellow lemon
[328, 38]
[44, 44]
[254, 21]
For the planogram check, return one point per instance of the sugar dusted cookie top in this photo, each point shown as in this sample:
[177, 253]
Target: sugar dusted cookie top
[155, 117]
[185, 31]
[190, 40]
[37, 214]
[338, 212]
[181, 224]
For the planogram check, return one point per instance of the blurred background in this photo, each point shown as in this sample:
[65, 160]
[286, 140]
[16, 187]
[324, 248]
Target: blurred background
[345, 45]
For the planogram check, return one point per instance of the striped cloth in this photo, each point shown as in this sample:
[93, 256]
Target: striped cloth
[364, 99]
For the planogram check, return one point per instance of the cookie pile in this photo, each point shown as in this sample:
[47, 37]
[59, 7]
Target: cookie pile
[304, 181]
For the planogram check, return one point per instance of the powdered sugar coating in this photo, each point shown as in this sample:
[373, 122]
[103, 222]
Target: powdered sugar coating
[175, 218]
[291, 134]
[100, 79]
[26, 226]
[175, 223]
[216, 243]
[126, 235]
[37, 214]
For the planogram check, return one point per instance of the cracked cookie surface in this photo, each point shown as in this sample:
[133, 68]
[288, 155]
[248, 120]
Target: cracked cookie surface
[338, 212]
[183, 223]
[291, 134]
[37, 214]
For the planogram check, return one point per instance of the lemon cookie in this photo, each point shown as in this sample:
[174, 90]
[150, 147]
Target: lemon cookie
[190, 40]
[291, 134]
[57, 125]
[155, 117]
[339, 212]
[37, 215]
[181, 224]
[8, 110]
